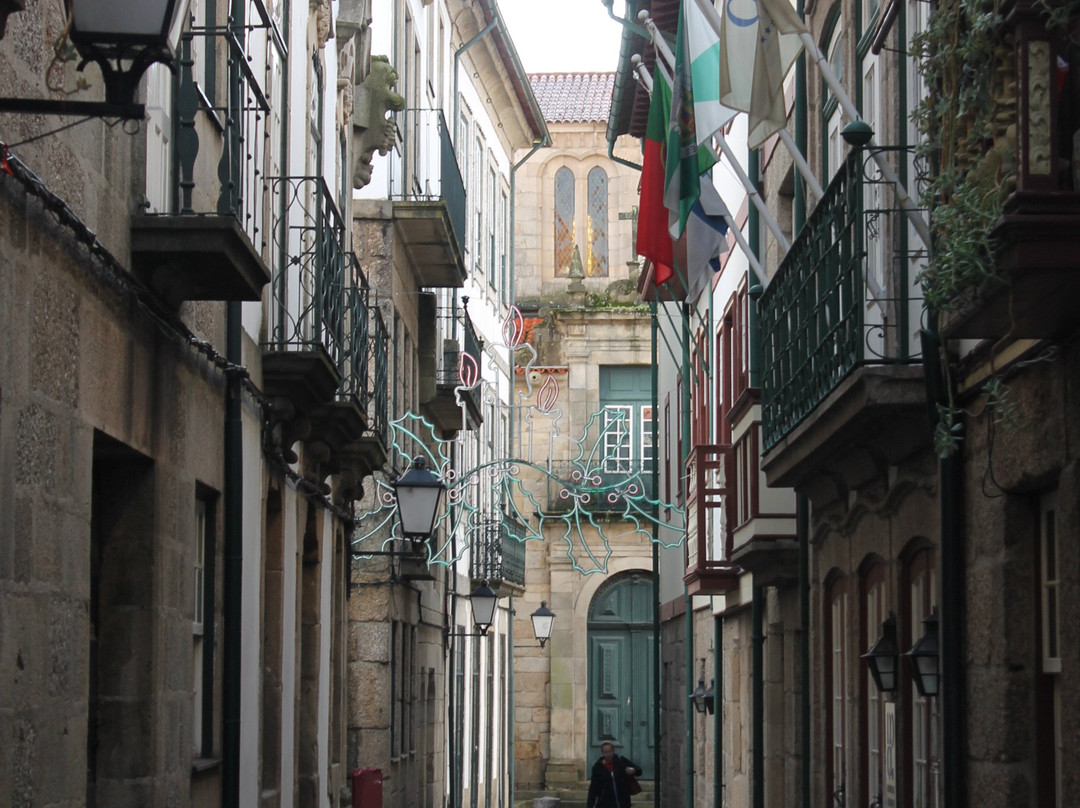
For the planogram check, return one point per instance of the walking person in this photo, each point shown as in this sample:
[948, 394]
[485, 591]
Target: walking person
[610, 779]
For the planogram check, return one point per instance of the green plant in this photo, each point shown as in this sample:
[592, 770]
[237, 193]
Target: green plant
[964, 56]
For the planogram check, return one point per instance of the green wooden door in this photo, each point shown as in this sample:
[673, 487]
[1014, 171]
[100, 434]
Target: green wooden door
[621, 683]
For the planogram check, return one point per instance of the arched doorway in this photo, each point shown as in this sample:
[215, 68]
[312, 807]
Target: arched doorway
[621, 683]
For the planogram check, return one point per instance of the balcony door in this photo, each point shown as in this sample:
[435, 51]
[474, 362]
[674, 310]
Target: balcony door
[621, 681]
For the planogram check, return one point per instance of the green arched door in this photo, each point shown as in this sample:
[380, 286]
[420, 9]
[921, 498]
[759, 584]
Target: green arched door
[621, 683]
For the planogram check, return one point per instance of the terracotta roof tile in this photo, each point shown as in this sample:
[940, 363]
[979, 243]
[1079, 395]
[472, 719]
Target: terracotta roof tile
[573, 97]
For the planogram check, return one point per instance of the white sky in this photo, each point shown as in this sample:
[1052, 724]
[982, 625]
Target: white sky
[563, 36]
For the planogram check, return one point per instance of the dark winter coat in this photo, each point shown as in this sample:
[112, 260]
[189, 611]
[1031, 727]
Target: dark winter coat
[608, 789]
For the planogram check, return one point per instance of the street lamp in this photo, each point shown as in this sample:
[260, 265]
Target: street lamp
[124, 37]
[704, 700]
[924, 658]
[542, 619]
[417, 493]
[483, 600]
[883, 657]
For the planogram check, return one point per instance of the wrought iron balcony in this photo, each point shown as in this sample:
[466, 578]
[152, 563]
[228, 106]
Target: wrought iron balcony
[364, 385]
[710, 520]
[498, 553]
[213, 243]
[367, 358]
[302, 353]
[429, 199]
[843, 302]
[457, 369]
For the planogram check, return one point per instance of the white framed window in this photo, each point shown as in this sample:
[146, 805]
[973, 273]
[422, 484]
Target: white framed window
[1050, 588]
[834, 121]
[618, 445]
[1050, 631]
[874, 606]
[200, 693]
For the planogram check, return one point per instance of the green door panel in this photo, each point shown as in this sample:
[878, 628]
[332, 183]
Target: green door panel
[621, 683]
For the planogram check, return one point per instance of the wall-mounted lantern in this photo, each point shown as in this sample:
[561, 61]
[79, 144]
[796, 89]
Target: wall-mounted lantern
[542, 619]
[124, 37]
[884, 656]
[417, 493]
[924, 658]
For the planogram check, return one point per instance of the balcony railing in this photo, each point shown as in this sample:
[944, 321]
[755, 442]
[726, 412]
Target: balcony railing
[462, 360]
[364, 366]
[710, 515]
[210, 236]
[842, 298]
[308, 295]
[429, 199]
[428, 169]
[227, 174]
[498, 552]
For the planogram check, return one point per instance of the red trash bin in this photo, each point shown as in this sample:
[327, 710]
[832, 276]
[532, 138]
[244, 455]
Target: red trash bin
[367, 788]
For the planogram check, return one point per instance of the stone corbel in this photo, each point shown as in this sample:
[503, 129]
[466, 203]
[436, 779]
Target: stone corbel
[8, 7]
[324, 21]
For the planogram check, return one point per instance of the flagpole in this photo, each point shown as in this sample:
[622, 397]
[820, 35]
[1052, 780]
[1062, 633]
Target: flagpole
[812, 184]
[759, 271]
[910, 209]
[663, 50]
[709, 12]
[752, 191]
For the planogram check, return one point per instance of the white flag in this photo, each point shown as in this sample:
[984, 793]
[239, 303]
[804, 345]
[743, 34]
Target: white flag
[764, 34]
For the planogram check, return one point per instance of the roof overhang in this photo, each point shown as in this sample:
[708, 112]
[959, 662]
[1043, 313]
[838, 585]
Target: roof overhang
[494, 60]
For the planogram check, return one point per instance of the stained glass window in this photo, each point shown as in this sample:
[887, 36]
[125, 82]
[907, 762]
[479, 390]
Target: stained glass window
[597, 222]
[564, 220]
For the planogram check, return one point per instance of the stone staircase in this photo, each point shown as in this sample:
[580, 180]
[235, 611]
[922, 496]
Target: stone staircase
[574, 795]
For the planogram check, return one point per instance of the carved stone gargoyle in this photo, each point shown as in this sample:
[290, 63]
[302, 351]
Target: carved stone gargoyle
[373, 131]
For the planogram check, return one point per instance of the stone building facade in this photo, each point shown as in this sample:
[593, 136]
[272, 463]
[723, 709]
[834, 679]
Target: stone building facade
[431, 700]
[574, 227]
[911, 417]
[178, 418]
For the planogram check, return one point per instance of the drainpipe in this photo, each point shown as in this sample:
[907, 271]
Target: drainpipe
[684, 407]
[802, 535]
[951, 700]
[753, 232]
[688, 704]
[233, 551]
[540, 144]
[457, 61]
[757, 638]
[954, 736]
[233, 544]
[718, 715]
[622, 74]
[655, 371]
[612, 156]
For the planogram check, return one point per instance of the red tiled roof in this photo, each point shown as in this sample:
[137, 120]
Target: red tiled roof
[573, 97]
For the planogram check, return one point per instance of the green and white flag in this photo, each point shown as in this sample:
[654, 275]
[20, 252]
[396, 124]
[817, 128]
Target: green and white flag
[704, 53]
[685, 162]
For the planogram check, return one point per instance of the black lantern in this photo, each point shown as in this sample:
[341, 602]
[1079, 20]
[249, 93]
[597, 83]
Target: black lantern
[883, 657]
[124, 37]
[483, 601]
[542, 619]
[418, 492]
[704, 700]
[924, 658]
